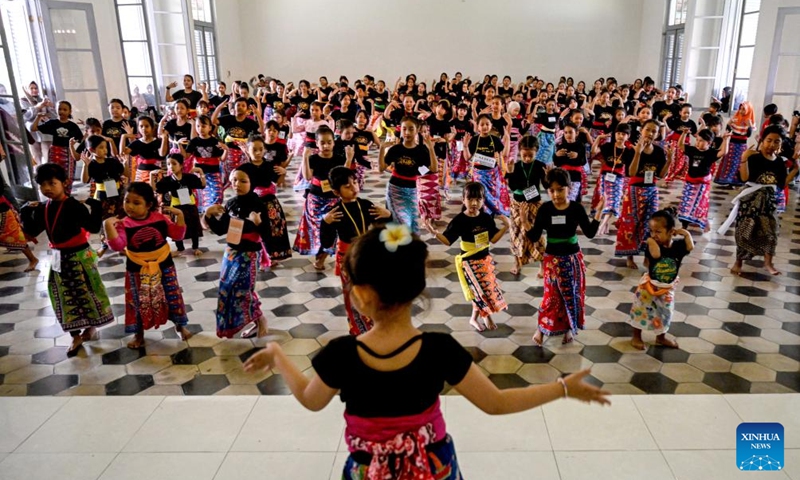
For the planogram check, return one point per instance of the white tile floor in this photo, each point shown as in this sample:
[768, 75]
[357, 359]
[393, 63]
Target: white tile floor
[245, 437]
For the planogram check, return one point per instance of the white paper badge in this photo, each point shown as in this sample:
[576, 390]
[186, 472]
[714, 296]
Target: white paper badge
[560, 220]
[235, 229]
[482, 240]
[111, 188]
[282, 135]
[423, 170]
[483, 160]
[531, 192]
[459, 146]
[56, 265]
[184, 197]
[611, 177]
[649, 176]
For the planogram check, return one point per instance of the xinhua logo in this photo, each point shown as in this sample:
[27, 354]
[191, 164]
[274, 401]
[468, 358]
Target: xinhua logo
[759, 447]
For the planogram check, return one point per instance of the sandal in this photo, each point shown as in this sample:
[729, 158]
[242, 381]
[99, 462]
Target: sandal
[250, 331]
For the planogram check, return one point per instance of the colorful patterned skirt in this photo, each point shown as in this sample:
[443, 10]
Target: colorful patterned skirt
[523, 215]
[611, 191]
[481, 278]
[728, 172]
[232, 161]
[404, 204]
[441, 459]
[238, 304]
[77, 293]
[562, 309]
[653, 305]
[314, 236]
[112, 206]
[212, 194]
[680, 162]
[11, 234]
[694, 203]
[547, 146]
[430, 202]
[61, 156]
[457, 165]
[757, 225]
[780, 199]
[168, 303]
[358, 323]
[277, 248]
[492, 182]
[360, 176]
[633, 229]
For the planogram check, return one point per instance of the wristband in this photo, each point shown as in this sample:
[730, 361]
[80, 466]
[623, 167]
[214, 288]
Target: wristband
[563, 384]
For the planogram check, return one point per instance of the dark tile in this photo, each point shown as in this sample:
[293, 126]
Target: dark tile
[452, 276]
[460, 310]
[9, 327]
[653, 383]
[682, 329]
[521, 310]
[791, 351]
[17, 262]
[9, 276]
[751, 291]
[618, 262]
[591, 251]
[273, 292]
[755, 276]
[51, 356]
[437, 292]
[4, 351]
[594, 291]
[327, 292]
[13, 307]
[339, 311]
[727, 382]
[202, 263]
[115, 291]
[477, 354]
[508, 380]
[609, 276]
[439, 263]
[310, 276]
[123, 356]
[289, 310]
[110, 262]
[624, 307]
[707, 276]
[113, 332]
[717, 252]
[792, 307]
[591, 380]
[172, 334]
[699, 291]
[129, 385]
[535, 291]
[502, 331]
[734, 353]
[192, 356]
[112, 276]
[119, 310]
[266, 276]
[501, 251]
[246, 355]
[691, 309]
[789, 380]
[601, 353]
[667, 355]
[52, 385]
[792, 327]
[714, 264]
[509, 277]
[308, 330]
[211, 293]
[205, 385]
[207, 277]
[8, 291]
[746, 308]
[794, 290]
[274, 385]
[435, 327]
[616, 329]
[602, 241]
[741, 329]
[533, 354]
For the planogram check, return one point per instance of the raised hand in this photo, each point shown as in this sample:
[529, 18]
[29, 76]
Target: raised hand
[580, 390]
[334, 215]
[379, 212]
[255, 217]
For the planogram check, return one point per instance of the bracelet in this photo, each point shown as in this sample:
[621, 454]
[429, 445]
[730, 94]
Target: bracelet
[563, 384]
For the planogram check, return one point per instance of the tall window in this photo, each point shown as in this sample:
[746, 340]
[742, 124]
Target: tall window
[673, 43]
[205, 43]
[136, 49]
[744, 52]
[783, 82]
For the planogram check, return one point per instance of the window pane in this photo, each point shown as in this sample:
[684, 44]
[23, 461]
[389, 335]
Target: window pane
[209, 42]
[86, 104]
[752, 6]
[705, 8]
[170, 28]
[787, 76]
[144, 86]
[706, 63]
[131, 22]
[77, 71]
[201, 65]
[740, 93]
[168, 6]
[745, 63]
[198, 42]
[212, 67]
[669, 50]
[667, 73]
[137, 58]
[707, 32]
[703, 89]
[790, 39]
[174, 62]
[749, 29]
[70, 28]
[678, 66]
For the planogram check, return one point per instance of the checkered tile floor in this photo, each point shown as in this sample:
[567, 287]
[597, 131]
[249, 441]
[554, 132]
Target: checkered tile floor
[736, 335]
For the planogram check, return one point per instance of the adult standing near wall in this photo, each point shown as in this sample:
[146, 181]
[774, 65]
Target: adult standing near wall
[33, 105]
[193, 96]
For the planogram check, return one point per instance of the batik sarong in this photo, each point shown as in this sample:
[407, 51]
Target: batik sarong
[237, 305]
[562, 307]
[633, 229]
[403, 202]
[653, 305]
[77, 293]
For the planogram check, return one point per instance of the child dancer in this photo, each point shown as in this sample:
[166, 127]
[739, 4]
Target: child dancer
[486, 152]
[546, 122]
[524, 179]
[679, 125]
[236, 128]
[392, 399]
[181, 129]
[741, 127]
[63, 130]
[697, 184]
[314, 237]
[152, 293]
[475, 265]
[108, 174]
[408, 160]
[12, 236]
[146, 153]
[615, 157]
[640, 197]
[457, 164]
[311, 127]
[209, 154]
[266, 166]
[74, 285]
[242, 219]
[654, 301]
[570, 155]
[518, 127]
[352, 217]
[364, 136]
[430, 183]
[181, 188]
[347, 138]
[561, 311]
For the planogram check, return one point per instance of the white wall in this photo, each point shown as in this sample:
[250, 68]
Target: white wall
[229, 41]
[585, 39]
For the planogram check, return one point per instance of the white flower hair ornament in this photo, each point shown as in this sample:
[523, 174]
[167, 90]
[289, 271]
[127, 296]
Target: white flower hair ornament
[395, 235]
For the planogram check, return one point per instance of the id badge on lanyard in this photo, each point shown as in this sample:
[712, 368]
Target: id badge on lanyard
[235, 230]
[649, 176]
[111, 188]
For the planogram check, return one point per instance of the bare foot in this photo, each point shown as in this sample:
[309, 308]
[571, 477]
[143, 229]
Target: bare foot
[540, 273]
[736, 269]
[473, 320]
[487, 320]
[101, 252]
[89, 334]
[198, 252]
[514, 270]
[666, 342]
[568, 338]
[638, 344]
[32, 265]
[772, 270]
[77, 342]
[538, 339]
[631, 264]
[137, 342]
[176, 253]
[319, 265]
[263, 331]
[707, 229]
[184, 333]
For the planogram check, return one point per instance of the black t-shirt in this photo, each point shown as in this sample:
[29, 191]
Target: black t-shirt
[61, 132]
[406, 163]
[615, 159]
[505, 92]
[708, 116]
[547, 120]
[147, 151]
[700, 162]
[276, 153]
[193, 97]
[110, 169]
[237, 130]
[478, 230]
[303, 104]
[636, 131]
[499, 125]
[241, 207]
[114, 130]
[665, 269]
[661, 109]
[488, 146]
[325, 92]
[380, 100]
[439, 129]
[356, 219]
[676, 125]
[205, 148]
[524, 176]
[320, 168]
[339, 115]
[363, 138]
[275, 101]
[178, 132]
[579, 147]
[462, 127]
[601, 116]
[169, 184]
[562, 225]
[767, 172]
[410, 390]
[652, 162]
[340, 146]
[262, 175]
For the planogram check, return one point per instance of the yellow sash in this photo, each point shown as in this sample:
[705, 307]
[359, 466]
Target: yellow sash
[149, 261]
[470, 249]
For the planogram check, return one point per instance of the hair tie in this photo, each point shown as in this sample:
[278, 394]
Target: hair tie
[395, 235]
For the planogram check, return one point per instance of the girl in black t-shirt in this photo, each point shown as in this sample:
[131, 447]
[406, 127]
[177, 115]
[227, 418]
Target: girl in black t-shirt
[390, 378]
[108, 174]
[431, 184]
[677, 125]
[524, 180]
[654, 301]
[615, 157]
[146, 153]
[546, 122]
[457, 162]
[208, 155]
[180, 129]
[697, 184]
[63, 131]
[487, 153]
[181, 187]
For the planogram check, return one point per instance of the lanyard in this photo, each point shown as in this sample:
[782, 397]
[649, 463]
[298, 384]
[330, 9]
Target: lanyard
[50, 230]
[363, 223]
[527, 174]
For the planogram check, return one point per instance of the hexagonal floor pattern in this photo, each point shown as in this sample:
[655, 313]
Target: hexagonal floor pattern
[736, 334]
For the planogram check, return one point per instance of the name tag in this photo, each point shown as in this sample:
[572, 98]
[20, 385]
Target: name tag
[551, 119]
[184, 197]
[111, 188]
[325, 186]
[649, 176]
[459, 146]
[483, 160]
[235, 229]
[531, 192]
[282, 135]
[56, 265]
[423, 170]
[611, 177]
[560, 220]
[482, 240]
